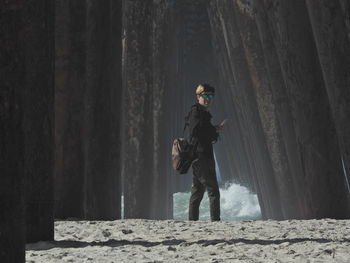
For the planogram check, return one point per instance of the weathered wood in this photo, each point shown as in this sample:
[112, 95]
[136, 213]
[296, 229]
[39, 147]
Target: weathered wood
[244, 99]
[162, 65]
[12, 69]
[333, 45]
[88, 109]
[138, 142]
[170, 93]
[325, 194]
[39, 119]
[102, 110]
[268, 110]
[281, 103]
[345, 7]
[70, 81]
[147, 192]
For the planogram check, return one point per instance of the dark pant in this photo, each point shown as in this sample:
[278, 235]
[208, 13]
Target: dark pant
[204, 178]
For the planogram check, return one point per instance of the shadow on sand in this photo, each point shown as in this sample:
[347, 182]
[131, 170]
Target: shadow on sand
[172, 242]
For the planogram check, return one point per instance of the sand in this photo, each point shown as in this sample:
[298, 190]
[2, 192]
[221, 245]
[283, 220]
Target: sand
[136, 240]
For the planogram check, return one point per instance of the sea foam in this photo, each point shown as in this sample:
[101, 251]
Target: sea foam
[237, 203]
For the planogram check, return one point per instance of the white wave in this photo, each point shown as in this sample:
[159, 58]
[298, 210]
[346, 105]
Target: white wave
[237, 203]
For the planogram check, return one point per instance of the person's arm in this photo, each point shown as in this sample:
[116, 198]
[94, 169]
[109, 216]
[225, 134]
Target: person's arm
[214, 134]
[220, 126]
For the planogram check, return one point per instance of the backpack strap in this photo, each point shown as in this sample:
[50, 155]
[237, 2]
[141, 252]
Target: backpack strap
[187, 118]
[183, 132]
[186, 124]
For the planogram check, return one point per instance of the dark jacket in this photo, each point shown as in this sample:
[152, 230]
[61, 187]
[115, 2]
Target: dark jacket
[201, 130]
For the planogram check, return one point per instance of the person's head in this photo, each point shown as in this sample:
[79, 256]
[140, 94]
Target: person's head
[205, 94]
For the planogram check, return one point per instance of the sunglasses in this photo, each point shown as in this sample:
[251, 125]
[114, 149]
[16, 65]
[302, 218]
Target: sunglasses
[207, 96]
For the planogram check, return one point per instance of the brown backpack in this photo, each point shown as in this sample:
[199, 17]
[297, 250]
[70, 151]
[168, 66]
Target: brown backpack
[183, 153]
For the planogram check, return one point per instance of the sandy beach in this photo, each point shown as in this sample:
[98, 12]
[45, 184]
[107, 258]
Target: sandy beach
[136, 240]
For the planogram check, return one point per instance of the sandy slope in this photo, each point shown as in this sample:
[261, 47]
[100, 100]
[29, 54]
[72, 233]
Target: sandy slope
[138, 240]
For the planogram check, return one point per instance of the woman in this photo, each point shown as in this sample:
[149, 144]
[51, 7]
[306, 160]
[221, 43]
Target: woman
[204, 134]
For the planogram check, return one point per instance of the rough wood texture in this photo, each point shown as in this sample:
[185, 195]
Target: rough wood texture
[102, 110]
[324, 193]
[268, 109]
[70, 82]
[138, 148]
[170, 68]
[248, 115]
[162, 66]
[88, 109]
[280, 101]
[146, 191]
[39, 119]
[12, 68]
[328, 22]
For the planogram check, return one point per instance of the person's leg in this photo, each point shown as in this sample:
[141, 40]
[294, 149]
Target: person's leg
[211, 184]
[197, 193]
[214, 198]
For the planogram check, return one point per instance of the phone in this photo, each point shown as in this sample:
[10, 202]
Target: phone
[223, 122]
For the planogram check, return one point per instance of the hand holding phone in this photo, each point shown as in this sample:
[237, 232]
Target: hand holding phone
[223, 122]
[221, 125]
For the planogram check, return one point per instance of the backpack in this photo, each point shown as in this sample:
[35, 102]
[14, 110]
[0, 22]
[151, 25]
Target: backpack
[183, 153]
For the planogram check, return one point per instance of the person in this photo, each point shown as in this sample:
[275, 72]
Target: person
[203, 134]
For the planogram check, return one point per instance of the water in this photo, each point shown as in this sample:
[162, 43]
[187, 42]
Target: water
[236, 202]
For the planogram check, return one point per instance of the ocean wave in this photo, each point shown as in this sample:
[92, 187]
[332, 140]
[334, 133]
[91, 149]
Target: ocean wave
[236, 201]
